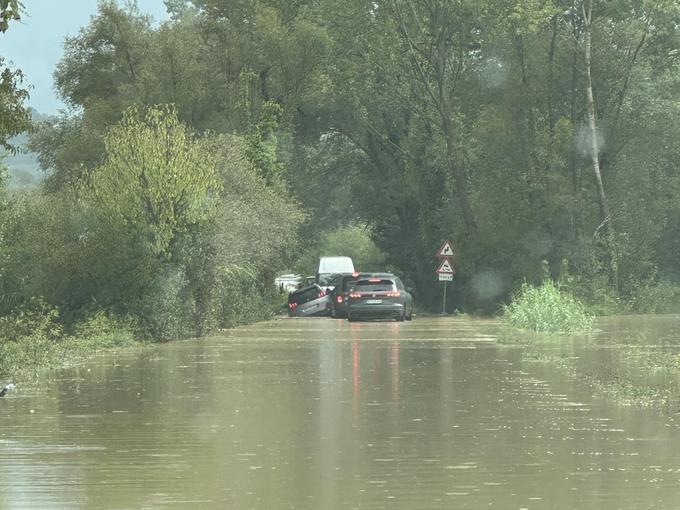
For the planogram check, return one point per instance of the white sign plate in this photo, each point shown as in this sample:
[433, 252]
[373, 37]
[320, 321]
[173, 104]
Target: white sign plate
[446, 249]
[444, 277]
[445, 267]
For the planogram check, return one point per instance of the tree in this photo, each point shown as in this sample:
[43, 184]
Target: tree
[10, 10]
[157, 177]
[440, 38]
[14, 116]
[594, 148]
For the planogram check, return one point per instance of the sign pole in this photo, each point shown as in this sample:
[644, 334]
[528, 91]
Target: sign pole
[445, 269]
[444, 312]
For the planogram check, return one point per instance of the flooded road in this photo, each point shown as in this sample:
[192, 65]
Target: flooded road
[324, 414]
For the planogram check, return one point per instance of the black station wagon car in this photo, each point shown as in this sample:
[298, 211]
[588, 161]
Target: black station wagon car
[379, 297]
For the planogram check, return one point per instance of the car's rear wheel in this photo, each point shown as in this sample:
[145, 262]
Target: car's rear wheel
[402, 316]
[350, 318]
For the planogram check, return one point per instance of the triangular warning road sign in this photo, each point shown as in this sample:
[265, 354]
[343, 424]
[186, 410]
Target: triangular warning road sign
[445, 267]
[446, 250]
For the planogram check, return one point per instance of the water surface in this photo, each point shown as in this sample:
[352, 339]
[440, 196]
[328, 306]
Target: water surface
[324, 414]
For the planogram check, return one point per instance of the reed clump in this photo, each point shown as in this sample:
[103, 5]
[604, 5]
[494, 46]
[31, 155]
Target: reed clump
[548, 309]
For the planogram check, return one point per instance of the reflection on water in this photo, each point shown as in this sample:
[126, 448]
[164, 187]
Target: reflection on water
[325, 414]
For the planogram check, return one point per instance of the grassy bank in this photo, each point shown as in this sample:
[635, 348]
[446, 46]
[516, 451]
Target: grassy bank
[36, 338]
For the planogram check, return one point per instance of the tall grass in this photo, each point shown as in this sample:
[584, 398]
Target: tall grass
[547, 309]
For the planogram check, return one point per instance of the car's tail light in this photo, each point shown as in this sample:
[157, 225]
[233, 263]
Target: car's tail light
[355, 275]
[292, 306]
[374, 280]
[322, 293]
[394, 294]
[338, 299]
[355, 294]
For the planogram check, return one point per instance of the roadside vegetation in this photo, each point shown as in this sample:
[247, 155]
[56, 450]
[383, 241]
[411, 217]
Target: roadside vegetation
[548, 309]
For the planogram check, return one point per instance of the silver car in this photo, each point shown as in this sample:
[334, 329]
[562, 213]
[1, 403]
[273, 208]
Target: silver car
[308, 302]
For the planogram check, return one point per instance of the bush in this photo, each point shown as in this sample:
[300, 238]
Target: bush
[102, 331]
[547, 309]
[658, 297]
[596, 293]
[242, 298]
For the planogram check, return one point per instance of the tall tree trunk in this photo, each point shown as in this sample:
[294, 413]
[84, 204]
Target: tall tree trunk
[605, 215]
[576, 217]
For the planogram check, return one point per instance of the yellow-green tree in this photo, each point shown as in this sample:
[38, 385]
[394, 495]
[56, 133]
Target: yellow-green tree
[158, 179]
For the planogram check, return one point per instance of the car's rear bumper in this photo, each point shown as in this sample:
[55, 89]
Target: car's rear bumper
[391, 311]
[311, 309]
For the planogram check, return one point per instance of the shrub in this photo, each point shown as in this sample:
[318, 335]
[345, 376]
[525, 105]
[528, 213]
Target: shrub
[163, 311]
[102, 331]
[547, 309]
[658, 297]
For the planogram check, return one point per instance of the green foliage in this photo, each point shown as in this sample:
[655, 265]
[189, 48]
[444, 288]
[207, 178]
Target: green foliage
[657, 297]
[166, 227]
[10, 10]
[14, 116]
[262, 143]
[547, 309]
[32, 338]
[424, 120]
[34, 319]
[353, 240]
[102, 331]
[157, 178]
[163, 313]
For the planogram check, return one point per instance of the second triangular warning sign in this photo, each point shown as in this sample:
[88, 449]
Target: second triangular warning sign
[445, 267]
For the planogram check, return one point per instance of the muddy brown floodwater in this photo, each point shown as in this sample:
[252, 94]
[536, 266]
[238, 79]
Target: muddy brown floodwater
[324, 414]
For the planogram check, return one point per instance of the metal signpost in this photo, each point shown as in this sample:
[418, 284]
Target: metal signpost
[445, 269]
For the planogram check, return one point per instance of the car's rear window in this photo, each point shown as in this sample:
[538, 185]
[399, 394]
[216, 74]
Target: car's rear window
[348, 283]
[304, 295]
[328, 279]
[374, 285]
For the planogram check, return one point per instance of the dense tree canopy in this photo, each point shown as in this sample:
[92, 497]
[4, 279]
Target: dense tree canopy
[530, 132]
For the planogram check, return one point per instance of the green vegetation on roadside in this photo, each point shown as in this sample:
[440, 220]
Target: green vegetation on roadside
[34, 339]
[547, 308]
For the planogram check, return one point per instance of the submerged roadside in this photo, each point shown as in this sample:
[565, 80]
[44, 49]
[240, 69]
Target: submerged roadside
[36, 339]
[632, 360]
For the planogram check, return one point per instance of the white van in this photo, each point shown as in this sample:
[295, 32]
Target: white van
[329, 267]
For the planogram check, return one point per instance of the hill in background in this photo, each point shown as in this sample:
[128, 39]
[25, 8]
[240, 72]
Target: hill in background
[24, 170]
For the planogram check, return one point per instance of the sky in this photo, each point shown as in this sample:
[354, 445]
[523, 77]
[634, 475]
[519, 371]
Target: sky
[36, 44]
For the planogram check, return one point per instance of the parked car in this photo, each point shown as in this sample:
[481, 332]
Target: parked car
[340, 293]
[379, 297]
[307, 302]
[330, 267]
